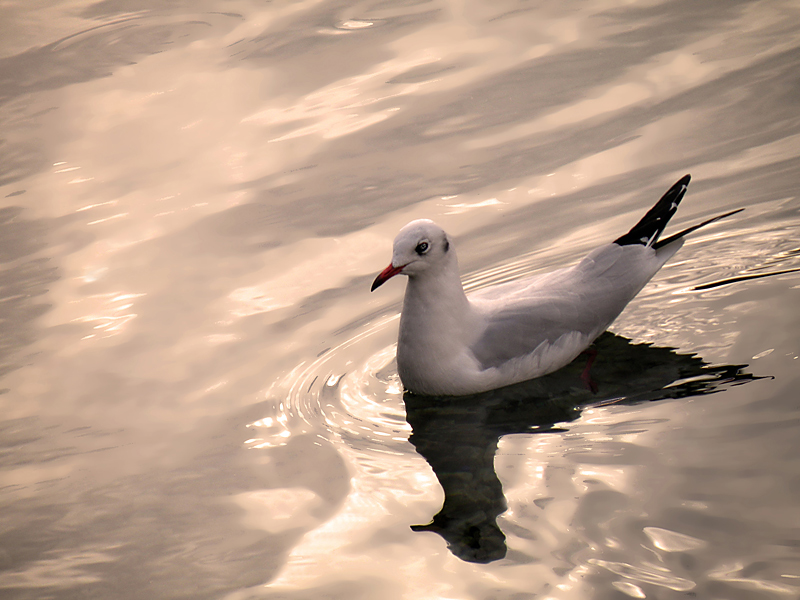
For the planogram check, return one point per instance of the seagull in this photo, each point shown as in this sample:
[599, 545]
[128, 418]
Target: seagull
[453, 344]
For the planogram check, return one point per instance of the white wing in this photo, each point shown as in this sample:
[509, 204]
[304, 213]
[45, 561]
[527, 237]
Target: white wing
[582, 301]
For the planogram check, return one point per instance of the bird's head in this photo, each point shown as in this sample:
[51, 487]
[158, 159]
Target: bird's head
[421, 246]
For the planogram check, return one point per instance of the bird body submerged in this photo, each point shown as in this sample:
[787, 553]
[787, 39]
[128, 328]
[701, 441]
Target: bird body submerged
[453, 344]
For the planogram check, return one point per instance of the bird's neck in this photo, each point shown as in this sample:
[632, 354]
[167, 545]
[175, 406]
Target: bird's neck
[436, 303]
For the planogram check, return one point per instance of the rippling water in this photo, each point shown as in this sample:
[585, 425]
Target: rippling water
[199, 394]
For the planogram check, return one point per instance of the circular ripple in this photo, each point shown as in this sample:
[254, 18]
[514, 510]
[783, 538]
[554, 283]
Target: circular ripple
[351, 394]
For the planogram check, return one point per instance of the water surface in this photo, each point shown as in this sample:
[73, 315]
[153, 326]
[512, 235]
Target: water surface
[199, 396]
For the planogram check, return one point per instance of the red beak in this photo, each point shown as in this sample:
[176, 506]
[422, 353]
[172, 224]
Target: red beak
[385, 275]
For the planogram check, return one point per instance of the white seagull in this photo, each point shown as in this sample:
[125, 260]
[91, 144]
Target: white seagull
[451, 344]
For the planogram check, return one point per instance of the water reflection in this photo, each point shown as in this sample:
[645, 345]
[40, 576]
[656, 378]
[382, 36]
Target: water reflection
[459, 436]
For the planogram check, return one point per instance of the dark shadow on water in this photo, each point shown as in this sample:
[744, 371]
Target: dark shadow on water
[458, 436]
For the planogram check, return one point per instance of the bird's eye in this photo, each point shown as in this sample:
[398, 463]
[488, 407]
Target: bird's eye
[422, 247]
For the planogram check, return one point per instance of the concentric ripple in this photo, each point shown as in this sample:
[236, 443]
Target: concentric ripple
[347, 395]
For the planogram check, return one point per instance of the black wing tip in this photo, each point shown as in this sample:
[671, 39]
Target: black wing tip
[650, 227]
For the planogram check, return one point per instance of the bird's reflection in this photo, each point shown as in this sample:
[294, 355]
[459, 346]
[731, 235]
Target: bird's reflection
[458, 436]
